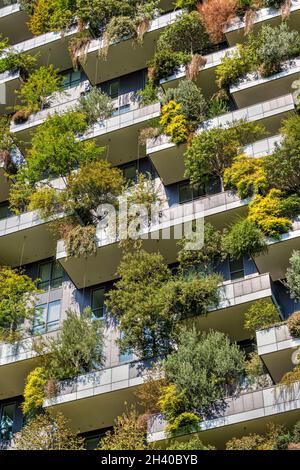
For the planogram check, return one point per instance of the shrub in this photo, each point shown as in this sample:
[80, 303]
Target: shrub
[269, 214]
[47, 432]
[193, 444]
[203, 368]
[251, 442]
[17, 302]
[81, 241]
[244, 239]
[255, 371]
[170, 403]
[96, 105]
[261, 314]
[191, 100]
[290, 377]
[216, 16]
[294, 324]
[174, 123]
[234, 66]
[34, 392]
[185, 422]
[165, 63]
[247, 176]
[35, 93]
[293, 276]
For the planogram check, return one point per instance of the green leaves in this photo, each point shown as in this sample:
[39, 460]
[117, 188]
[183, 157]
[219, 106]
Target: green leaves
[244, 238]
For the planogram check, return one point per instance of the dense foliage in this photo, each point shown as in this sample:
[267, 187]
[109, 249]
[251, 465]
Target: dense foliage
[261, 314]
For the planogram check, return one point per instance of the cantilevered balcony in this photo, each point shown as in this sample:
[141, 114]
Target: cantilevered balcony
[235, 299]
[13, 22]
[262, 147]
[236, 31]
[9, 84]
[124, 56]
[245, 414]
[94, 400]
[254, 89]
[280, 251]
[168, 158]
[25, 238]
[219, 209]
[206, 78]
[277, 348]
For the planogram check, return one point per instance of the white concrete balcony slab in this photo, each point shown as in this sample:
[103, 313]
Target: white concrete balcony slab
[13, 22]
[125, 56]
[280, 250]
[277, 348]
[219, 209]
[263, 147]
[253, 88]
[244, 414]
[272, 16]
[25, 238]
[206, 78]
[168, 158]
[94, 400]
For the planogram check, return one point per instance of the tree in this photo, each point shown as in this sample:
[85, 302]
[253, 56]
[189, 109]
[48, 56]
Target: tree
[47, 432]
[283, 166]
[34, 392]
[77, 349]
[261, 314]
[192, 102]
[216, 16]
[203, 368]
[247, 176]
[207, 258]
[293, 276]
[174, 123]
[244, 238]
[128, 433]
[17, 302]
[213, 150]
[96, 105]
[35, 92]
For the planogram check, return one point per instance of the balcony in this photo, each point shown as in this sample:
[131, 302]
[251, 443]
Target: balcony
[254, 89]
[235, 298]
[219, 209]
[206, 78]
[235, 33]
[25, 239]
[9, 83]
[125, 56]
[276, 347]
[13, 22]
[94, 400]
[280, 250]
[168, 158]
[262, 147]
[246, 413]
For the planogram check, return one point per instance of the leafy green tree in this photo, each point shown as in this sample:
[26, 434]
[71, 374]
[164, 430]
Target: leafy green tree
[247, 176]
[283, 166]
[47, 432]
[17, 302]
[261, 314]
[192, 102]
[96, 105]
[207, 258]
[77, 349]
[35, 92]
[203, 368]
[293, 275]
[34, 392]
[213, 150]
[244, 238]
[128, 434]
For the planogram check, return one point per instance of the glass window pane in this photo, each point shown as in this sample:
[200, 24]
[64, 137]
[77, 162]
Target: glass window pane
[185, 193]
[236, 267]
[44, 275]
[129, 172]
[198, 191]
[114, 89]
[53, 311]
[98, 296]
[6, 421]
[57, 275]
[4, 210]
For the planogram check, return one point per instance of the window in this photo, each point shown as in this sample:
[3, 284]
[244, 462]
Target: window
[47, 317]
[114, 89]
[97, 303]
[236, 267]
[71, 78]
[4, 210]
[129, 172]
[50, 275]
[7, 415]
[189, 193]
[92, 439]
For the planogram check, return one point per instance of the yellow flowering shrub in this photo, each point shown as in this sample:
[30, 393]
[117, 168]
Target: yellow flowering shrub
[174, 123]
[34, 391]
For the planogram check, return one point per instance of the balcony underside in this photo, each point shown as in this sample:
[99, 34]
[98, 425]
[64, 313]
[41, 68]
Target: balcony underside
[27, 245]
[8, 87]
[238, 35]
[13, 375]
[280, 251]
[13, 24]
[258, 91]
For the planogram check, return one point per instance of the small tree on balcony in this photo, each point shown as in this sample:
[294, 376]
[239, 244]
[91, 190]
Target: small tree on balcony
[293, 275]
[244, 238]
[262, 314]
[96, 105]
[213, 150]
[47, 432]
[17, 303]
[247, 175]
